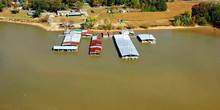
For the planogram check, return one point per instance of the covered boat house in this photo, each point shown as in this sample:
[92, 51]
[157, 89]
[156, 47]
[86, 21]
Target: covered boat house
[96, 46]
[125, 47]
[146, 38]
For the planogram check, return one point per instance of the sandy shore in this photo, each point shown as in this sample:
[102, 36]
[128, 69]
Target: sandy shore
[202, 29]
[40, 25]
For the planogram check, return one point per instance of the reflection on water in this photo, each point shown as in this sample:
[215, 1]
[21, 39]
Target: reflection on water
[180, 72]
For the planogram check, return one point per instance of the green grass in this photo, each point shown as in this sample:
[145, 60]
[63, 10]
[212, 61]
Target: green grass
[20, 15]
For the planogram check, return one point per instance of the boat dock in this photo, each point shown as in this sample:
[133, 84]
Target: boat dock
[65, 48]
[104, 34]
[96, 46]
[125, 47]
[146, 38]
[87, 34]
[72, 39]
[70, 42]
[110, 34]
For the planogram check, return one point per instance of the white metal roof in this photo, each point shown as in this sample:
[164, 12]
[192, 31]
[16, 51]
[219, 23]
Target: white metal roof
[73, 37]
[94, 37]
[146, 36]
[125, 45]
[67, 38]
[66, 47]
[95, 46]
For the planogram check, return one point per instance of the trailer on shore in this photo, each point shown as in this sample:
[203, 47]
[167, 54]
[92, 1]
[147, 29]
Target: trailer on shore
[125, 47]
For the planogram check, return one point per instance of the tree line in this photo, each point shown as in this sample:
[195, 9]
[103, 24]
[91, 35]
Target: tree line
[202, 14]
[144, 5]
[54, 5]
[48, 5]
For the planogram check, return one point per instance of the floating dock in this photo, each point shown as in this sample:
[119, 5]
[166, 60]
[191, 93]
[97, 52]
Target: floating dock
[96, 46]
[146, 38]
[127, 32]
[65, 48]
[125, 47]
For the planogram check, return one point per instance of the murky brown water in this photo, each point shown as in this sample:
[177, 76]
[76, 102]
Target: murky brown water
[180, 72]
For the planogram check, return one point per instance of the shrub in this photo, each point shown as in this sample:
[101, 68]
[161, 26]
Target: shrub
[45, 19]
[14, 11]
[100, 27]
[144, 26]
[119, 28]
[130, 26]
[183, 20]
[202, 21]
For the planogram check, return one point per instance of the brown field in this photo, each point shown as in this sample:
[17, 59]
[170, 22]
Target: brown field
[156, 18]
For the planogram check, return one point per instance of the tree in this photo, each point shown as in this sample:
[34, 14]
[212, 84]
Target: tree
[71, 3]
[135, 3]
[106, 21]
[4, 2]
[163, 5]
[9, 3]
[91, 21]
[41, 4]
[37, 12]
[201, 9]
[25, 5]
[215, 15]
[1, 6]
[55, 5]
[202, 21]
[79, 5]
[110, 2]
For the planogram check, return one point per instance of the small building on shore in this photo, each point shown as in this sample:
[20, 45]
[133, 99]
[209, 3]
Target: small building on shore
[62, 12]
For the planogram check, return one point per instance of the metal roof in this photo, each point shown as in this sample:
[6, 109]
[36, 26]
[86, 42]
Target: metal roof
[125, 45]
[146, 36]
[66, 47]
[73, 37]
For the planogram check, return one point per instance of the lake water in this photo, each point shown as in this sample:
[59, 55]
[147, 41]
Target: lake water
[180, 72]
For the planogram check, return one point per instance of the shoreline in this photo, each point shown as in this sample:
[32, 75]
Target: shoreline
[40, 25]
[203, 29]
